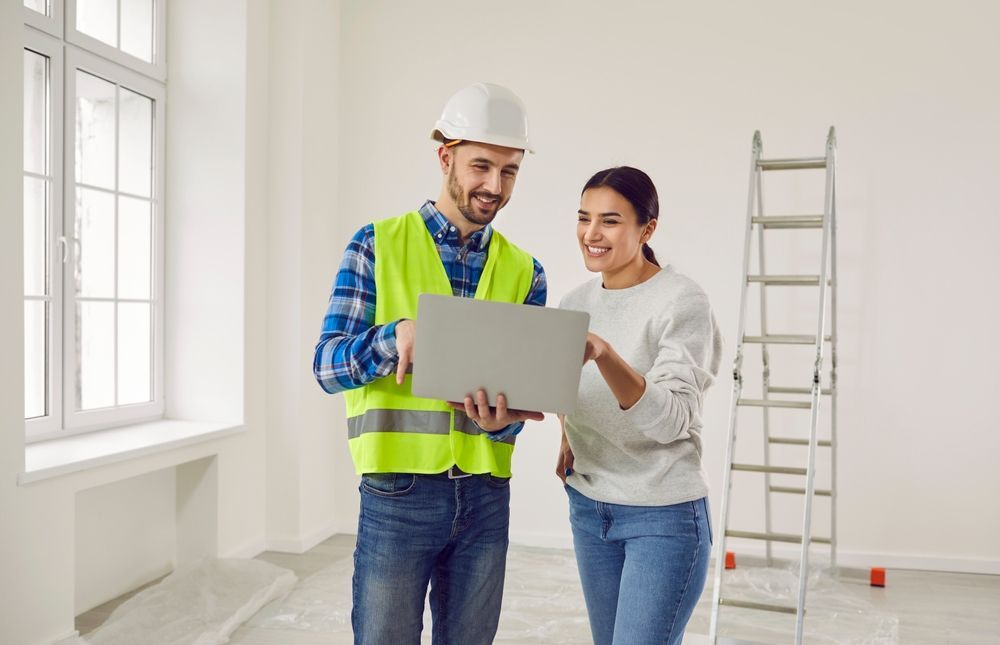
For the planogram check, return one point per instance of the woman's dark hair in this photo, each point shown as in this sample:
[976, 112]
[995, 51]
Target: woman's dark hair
[635, 186]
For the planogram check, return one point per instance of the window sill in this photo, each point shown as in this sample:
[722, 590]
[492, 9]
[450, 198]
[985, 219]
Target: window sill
[48, 459]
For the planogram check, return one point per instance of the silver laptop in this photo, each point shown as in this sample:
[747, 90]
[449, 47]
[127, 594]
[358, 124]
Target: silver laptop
[533, 355]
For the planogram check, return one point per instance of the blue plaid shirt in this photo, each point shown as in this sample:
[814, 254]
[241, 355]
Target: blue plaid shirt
[352, 350]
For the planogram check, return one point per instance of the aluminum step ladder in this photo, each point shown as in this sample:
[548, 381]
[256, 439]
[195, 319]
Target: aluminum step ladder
[826, 284]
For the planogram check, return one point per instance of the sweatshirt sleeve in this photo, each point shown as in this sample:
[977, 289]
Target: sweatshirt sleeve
[686, 363]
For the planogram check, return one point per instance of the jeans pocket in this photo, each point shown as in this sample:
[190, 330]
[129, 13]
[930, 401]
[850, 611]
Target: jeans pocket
[388, 484]
[708, 520]
[497, 482]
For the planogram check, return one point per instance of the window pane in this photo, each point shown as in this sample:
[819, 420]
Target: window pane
[95, 131]
[35, 111]
[95, 228]
[137, 28]
[95, 355]
[134, 248]
[99, 19]
[135, 143]
[134, 352]
[35, 358]
[35, 240]
[41, 6]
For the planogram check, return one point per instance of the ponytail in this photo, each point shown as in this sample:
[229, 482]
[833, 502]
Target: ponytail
[647, 252]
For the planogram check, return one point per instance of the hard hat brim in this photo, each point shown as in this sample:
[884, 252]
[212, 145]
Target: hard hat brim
[442, 131]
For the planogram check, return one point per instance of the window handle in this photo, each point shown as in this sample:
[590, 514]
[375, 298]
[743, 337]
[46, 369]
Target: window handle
[64, 242]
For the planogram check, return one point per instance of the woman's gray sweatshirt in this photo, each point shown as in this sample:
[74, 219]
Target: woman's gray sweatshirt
[650, 454]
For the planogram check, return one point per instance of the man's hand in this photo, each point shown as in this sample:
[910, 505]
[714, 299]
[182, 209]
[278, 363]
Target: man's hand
[406, 330]
[493, 419]
[564, 462]
[596, 348]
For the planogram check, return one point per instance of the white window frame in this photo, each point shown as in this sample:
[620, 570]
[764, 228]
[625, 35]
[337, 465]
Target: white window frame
[157, 69]
[55, 37]
[51, 24]
[88, 420]
[52, 48]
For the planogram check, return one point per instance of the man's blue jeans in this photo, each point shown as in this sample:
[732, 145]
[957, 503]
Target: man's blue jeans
[643, 568]
[420, 529]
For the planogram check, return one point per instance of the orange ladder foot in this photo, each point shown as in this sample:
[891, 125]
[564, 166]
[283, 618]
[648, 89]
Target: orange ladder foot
[878, 577]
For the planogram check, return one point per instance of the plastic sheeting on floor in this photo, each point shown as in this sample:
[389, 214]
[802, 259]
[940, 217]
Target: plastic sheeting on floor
[543, 603]
[319, 603]
[838, 610]
[200, 604]
[543, 599]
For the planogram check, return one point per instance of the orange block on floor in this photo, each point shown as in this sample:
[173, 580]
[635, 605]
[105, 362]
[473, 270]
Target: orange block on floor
[730, 560]
[878, 577]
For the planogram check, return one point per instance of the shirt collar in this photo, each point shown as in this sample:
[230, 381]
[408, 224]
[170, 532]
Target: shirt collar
[442, 230]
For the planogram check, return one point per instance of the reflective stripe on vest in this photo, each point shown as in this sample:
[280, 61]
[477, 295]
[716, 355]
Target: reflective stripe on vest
[389, 429]
[413, 421]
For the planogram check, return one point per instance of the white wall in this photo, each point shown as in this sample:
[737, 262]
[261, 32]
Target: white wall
[216, 253]
[678, 89]
[20, 526]
[125, 536]
[217, 338]
[306, 450]
[324, 109]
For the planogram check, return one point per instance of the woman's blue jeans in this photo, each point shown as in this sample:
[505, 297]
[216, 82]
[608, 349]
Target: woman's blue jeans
[643, 568]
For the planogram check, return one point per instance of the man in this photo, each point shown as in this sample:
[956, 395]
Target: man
[435, 496]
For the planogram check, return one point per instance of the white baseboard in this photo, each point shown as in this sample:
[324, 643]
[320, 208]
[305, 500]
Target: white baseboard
[72, 638]
[845, 558]
[865, 560]
[542, 540]
[919, 562]
[319, 535]
[347, 527]
[862, 560]
[301, 544]
[250, 549]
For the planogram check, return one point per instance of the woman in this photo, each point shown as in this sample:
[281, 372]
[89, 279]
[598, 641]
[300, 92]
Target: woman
[631, 451]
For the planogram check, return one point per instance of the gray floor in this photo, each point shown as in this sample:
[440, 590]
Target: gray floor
[923, 608]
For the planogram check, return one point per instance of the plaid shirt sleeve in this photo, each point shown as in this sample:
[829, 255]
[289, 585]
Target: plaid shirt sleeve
[352, 350]
[539, 287]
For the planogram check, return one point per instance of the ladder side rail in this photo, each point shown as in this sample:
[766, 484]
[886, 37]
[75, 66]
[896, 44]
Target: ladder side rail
[720, 545]
[814, 414]
[765, 372]
[831, 156]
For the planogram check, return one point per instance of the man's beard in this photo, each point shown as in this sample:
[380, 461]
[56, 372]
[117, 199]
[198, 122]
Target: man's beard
[464, 202]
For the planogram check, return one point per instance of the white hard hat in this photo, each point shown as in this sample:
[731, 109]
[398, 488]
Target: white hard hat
[486, 113]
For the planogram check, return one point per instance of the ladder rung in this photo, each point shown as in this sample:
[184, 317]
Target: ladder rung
[794, 390]
[781, 470]
[822, 443]
[758, 605]
[799, 491]
[784, 339]
[774, 537]
[792, 164]
[790, 221]
[786, 280]
[773, 403]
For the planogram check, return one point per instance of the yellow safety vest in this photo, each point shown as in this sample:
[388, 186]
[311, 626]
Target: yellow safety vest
[389, 429]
